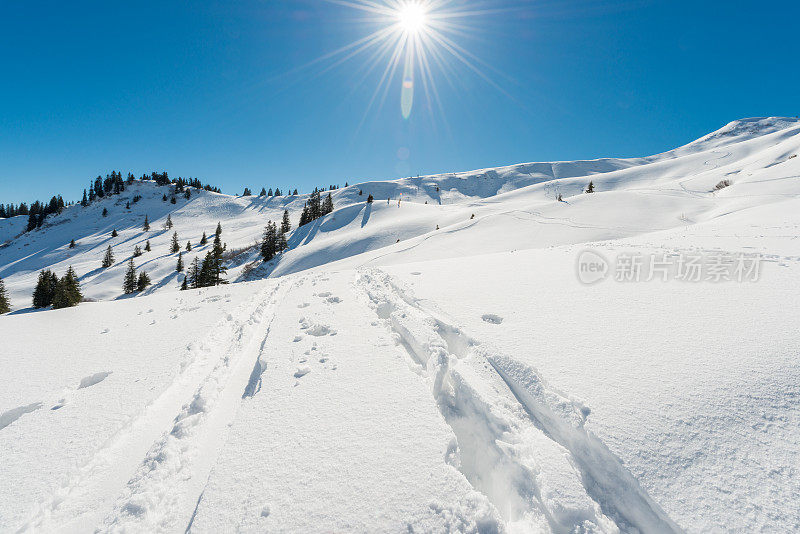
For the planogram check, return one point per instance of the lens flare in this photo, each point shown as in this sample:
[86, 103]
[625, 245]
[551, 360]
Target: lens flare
[417, 37]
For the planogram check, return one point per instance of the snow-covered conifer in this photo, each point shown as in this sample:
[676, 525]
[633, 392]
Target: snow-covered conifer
[129, 282]
[108, 259]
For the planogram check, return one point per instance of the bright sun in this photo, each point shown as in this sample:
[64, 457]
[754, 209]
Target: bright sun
[412, 40]
[412, 17]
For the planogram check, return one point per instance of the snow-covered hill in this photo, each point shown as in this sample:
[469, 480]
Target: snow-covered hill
[514, 208]
[428, 364]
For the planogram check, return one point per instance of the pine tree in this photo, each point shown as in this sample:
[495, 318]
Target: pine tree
[269, 193]
[142, 282]
[188, 246]
[147, 247]
[32, 221]
[61, 296]
[269, 245]
[217, 247]
[114, 233]
[247, 192]
[84, 200]
[108, 259]
[204, 239]
[184, 284]
[218, 232]
[5, 307]
[72, 243]
[129, 282]
[137, 251]
[68, 291]
[327, 205]
[146, 226]
[370, 200]
[590, 189]
[286, 224]
[263, 192]
[173, 200]
[73, 286]
[305, 216]
[179, 268]
[193, 275]
[314, 205]
[175, 247]
[105, 212]
[205, 277]
[168, 224]
[282, 243]
[164, 198]
[217, 269]
[45, 289]
[187, 195]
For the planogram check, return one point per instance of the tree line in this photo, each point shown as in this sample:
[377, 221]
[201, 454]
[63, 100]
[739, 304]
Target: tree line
[112, 184]
[38, 212]
[64, 292]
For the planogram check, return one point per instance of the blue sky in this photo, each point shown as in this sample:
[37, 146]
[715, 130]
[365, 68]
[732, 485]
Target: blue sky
[210, 89]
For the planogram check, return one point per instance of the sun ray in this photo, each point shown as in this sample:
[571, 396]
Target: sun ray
[417, 39]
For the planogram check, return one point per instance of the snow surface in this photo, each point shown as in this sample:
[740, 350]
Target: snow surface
[457, 380]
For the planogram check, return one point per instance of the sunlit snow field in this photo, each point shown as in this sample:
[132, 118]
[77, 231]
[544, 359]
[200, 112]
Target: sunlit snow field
[384, 375]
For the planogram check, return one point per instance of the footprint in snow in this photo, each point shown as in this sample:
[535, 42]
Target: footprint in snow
[304, 305]
[297, 339]
[319, 330]
[6, 418]
[492, 318]
[302, 371]
[316, 330]
[334, 300]
[324, 294]
[94, 379]
[416, 273]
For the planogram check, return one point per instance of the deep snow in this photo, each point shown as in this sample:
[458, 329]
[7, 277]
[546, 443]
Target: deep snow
[461, 379]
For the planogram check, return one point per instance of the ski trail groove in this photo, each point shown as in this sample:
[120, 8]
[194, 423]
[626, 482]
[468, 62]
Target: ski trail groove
[164, 492]
[520, 441]
[111, 466]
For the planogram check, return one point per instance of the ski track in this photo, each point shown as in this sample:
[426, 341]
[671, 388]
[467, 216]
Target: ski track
[518, 440]
[165, 492]
[114, 463]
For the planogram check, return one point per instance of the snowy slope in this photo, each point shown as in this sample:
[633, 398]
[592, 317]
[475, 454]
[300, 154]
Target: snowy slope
[634, 196]
[459, 380]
